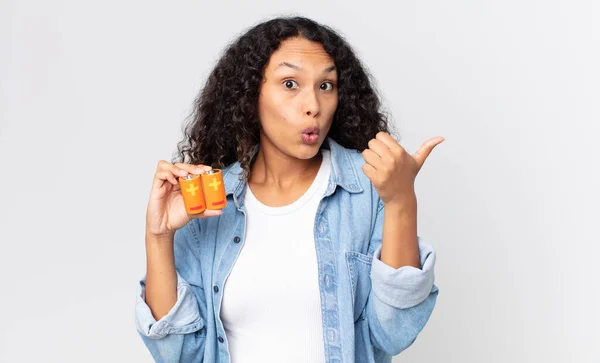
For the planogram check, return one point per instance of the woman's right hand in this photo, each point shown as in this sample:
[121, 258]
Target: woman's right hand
[166, 212]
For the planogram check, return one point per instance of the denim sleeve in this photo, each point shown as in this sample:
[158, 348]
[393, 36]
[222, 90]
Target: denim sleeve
[401, 300]
[184, 316]
[180, 335]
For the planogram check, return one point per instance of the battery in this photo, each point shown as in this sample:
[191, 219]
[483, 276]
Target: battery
[191, 191]
[214, 189]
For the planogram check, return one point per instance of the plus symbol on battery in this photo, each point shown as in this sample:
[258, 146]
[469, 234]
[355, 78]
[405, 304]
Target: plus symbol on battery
[215, 184]
[192, 189]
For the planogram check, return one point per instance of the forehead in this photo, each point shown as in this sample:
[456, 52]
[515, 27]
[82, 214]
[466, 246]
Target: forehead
[301, 52]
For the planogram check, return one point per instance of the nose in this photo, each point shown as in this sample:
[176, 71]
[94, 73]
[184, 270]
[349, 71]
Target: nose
[311, 103]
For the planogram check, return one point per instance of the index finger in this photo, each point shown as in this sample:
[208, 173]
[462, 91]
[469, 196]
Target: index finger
[191, 168]
[388, 141]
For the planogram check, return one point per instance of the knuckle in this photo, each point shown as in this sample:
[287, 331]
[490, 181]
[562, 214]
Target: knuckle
[163, 164]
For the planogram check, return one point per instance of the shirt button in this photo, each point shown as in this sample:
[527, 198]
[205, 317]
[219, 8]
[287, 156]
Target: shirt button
[216, 288]
[236, 239]
[221, 339]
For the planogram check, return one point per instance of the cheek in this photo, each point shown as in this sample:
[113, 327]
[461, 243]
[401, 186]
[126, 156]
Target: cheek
[287, 113]
[330, 106]
[268, 107]
[274, 112]
[283, 110]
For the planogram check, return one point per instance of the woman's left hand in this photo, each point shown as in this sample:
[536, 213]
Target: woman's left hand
[392, 170]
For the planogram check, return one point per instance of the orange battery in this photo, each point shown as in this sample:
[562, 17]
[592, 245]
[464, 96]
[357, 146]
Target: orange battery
[191, 191]
[214, 189]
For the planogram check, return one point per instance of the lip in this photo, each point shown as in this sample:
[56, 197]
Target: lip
[311, 130]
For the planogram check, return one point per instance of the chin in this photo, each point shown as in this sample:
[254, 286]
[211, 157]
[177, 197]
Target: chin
[306, 152]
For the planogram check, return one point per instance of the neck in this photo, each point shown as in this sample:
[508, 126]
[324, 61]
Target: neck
[275, 169]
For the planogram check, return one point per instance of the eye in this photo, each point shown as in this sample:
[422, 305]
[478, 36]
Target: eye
[289, 84]
[326, 88]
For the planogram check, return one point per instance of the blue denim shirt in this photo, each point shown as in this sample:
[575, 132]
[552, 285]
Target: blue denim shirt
[370, 311]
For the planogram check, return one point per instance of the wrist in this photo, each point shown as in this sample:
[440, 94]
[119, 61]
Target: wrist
[406, 204]
[152, 238]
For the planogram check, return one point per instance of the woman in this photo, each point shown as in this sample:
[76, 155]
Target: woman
[316, 257]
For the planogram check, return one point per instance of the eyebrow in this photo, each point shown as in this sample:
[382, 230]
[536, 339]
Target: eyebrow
[293, 66]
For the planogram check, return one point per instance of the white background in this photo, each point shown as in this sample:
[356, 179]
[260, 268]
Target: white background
[93, 94]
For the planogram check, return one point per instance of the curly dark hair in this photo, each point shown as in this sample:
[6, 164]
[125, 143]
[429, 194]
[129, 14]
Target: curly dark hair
[224, 126]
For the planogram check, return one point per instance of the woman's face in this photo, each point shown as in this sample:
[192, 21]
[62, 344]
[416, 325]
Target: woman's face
[298, 98]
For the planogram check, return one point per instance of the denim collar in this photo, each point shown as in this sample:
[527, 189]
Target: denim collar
[343, 172]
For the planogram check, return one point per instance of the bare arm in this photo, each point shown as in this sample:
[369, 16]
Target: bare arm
[399, 245]
[161, 278]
